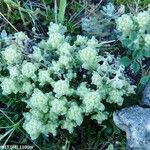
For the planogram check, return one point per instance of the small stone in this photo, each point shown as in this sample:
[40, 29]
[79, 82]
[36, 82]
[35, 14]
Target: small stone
[135, 121]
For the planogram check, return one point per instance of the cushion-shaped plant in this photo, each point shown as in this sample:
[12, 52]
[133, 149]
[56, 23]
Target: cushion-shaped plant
[61, 82]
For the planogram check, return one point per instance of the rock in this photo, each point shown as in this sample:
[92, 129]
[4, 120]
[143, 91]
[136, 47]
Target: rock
[135, 121]
[146, 95]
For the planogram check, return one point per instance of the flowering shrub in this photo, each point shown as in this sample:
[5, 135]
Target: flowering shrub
[61, 83]
[135, 35]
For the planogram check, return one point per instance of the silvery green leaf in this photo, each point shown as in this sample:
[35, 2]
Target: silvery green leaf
[108, 10]
[3, 34]
[110, 147]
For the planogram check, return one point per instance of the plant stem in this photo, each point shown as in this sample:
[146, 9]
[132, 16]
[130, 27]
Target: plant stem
[55, 10]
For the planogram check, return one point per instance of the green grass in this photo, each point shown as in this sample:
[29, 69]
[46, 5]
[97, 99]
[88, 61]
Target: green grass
[142, 3]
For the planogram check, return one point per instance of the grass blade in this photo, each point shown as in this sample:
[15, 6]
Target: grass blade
[62, 8]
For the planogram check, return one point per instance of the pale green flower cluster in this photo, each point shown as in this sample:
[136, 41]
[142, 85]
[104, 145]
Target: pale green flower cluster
[28, 69]
[62, 82]
[9, 86]
[125, 23]
[143, 19]
[61, 88]
[12, 54]
[135, 31]
[38, 100]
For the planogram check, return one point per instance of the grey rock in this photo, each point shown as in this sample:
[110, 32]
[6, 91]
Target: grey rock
[146, 95]
[135, 121]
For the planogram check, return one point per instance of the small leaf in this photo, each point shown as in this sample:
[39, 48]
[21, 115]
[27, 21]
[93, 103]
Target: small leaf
[116, 129]
[133, 35]
[126, 42]
[137, 54]
[146, 53]
[125, 61]
[144, 80]
[135, 67]
[110, 147]
[3, 34]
